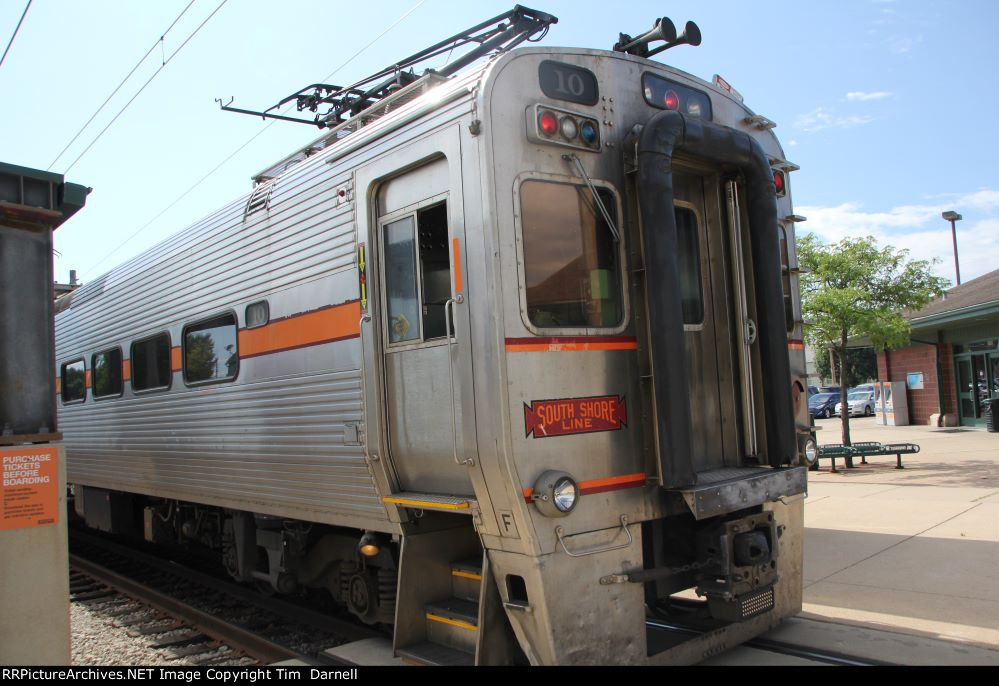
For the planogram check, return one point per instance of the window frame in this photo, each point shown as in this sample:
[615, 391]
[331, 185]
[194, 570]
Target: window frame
[518, 221]
[131, 360]
[62, 381]
[121, 373]
[412, 210]
[183, 349]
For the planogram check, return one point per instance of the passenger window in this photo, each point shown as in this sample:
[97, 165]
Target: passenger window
[417, 275]
[211, 350]
[106, 370]
[571, 265]
[74, 381]
[151, 363]
[689, 263]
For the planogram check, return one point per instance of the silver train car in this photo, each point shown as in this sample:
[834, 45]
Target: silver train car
[511, 361]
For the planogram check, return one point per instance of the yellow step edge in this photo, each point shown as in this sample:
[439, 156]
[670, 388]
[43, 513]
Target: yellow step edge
[430, 505]
[453, 622]
[466, 575]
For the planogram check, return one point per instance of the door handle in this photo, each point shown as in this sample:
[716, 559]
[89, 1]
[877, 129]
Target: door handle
[448, 314]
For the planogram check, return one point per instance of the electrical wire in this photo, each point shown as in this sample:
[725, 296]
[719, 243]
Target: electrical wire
[250, 140]
[159, 42]
[148, 81]
[16, 29]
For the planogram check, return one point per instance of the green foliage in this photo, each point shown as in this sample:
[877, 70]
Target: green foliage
[861, 365]
[855, 289]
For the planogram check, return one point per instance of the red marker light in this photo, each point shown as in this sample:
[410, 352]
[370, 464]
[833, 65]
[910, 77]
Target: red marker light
[672, 100]
[548, 123]
[779, 182]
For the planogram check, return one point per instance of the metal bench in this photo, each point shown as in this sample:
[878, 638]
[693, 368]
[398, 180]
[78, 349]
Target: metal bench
[867, 449]
[834, 450]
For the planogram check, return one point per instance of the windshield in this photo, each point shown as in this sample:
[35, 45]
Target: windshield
[819, 399]
[863, 395]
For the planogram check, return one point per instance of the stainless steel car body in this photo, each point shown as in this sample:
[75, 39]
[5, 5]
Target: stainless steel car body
[332, 419]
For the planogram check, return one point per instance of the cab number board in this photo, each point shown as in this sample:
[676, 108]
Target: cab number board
[567, 82]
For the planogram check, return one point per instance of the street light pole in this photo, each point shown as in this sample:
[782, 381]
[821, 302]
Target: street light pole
[953, 217]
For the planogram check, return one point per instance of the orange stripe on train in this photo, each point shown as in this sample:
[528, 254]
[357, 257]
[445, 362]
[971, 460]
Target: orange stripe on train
[613, 483]
[570, 344]
[325, 325]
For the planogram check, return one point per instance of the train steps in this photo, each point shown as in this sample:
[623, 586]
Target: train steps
[452, 623]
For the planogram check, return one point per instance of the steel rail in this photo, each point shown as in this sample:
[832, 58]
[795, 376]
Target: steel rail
[318, 620]
[236, 637]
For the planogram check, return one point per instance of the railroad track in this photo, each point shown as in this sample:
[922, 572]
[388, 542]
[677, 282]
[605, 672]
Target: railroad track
[196, 616]
[781, 648]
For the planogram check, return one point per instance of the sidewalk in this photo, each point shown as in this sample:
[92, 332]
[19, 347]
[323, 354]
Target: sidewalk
[914, 550]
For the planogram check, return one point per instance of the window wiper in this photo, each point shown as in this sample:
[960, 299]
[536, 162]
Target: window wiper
[596, 196]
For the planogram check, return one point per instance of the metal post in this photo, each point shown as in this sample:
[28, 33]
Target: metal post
[953, 218]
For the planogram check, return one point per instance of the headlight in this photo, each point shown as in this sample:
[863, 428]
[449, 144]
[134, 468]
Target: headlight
[811, 452]
[555, 493]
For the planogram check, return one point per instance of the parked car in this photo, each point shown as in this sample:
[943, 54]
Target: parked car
[822, 404]
[861, 403]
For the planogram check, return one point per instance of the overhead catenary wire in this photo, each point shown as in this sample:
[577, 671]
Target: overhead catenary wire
[245, 144]
[159, 41]
[148, 81]
[16, 29]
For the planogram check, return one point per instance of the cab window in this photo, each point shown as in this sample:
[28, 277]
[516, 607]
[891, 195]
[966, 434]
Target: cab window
[571, 265]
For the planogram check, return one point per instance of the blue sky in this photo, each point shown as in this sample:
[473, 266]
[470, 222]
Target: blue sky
[888, 106]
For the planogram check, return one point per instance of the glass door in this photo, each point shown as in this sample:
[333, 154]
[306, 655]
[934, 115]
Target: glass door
[977, 379]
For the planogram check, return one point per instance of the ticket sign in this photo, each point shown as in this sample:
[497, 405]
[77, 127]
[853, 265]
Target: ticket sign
[567, 416]
[30, 495]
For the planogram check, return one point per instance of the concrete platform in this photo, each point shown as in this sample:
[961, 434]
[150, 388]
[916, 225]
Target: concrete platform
[369, 651]
[912, 551]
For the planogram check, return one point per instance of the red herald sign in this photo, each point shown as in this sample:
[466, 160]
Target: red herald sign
[567, 416]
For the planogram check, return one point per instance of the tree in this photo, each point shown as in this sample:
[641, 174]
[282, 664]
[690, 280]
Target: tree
[861, 365]
[854, 289]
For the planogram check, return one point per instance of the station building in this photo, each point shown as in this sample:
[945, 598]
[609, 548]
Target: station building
[951, 367]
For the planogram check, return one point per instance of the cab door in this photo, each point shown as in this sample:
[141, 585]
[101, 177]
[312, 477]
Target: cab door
[425, 354]
[709, 319]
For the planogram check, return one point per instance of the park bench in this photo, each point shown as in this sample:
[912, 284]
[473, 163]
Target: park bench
[865, 449]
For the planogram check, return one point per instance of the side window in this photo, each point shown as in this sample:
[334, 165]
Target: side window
[571, 265]
[106, 370]
[689, 262]
[785, 267]
[151, 363]
[74, 381]
[211, 350]
[417, 275]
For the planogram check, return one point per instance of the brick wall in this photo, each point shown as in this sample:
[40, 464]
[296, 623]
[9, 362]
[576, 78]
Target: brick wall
[895, 365]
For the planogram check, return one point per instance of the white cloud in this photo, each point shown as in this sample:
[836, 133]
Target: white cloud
[820, 118]
[901, 45]
[919, 229]
[863, 97]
